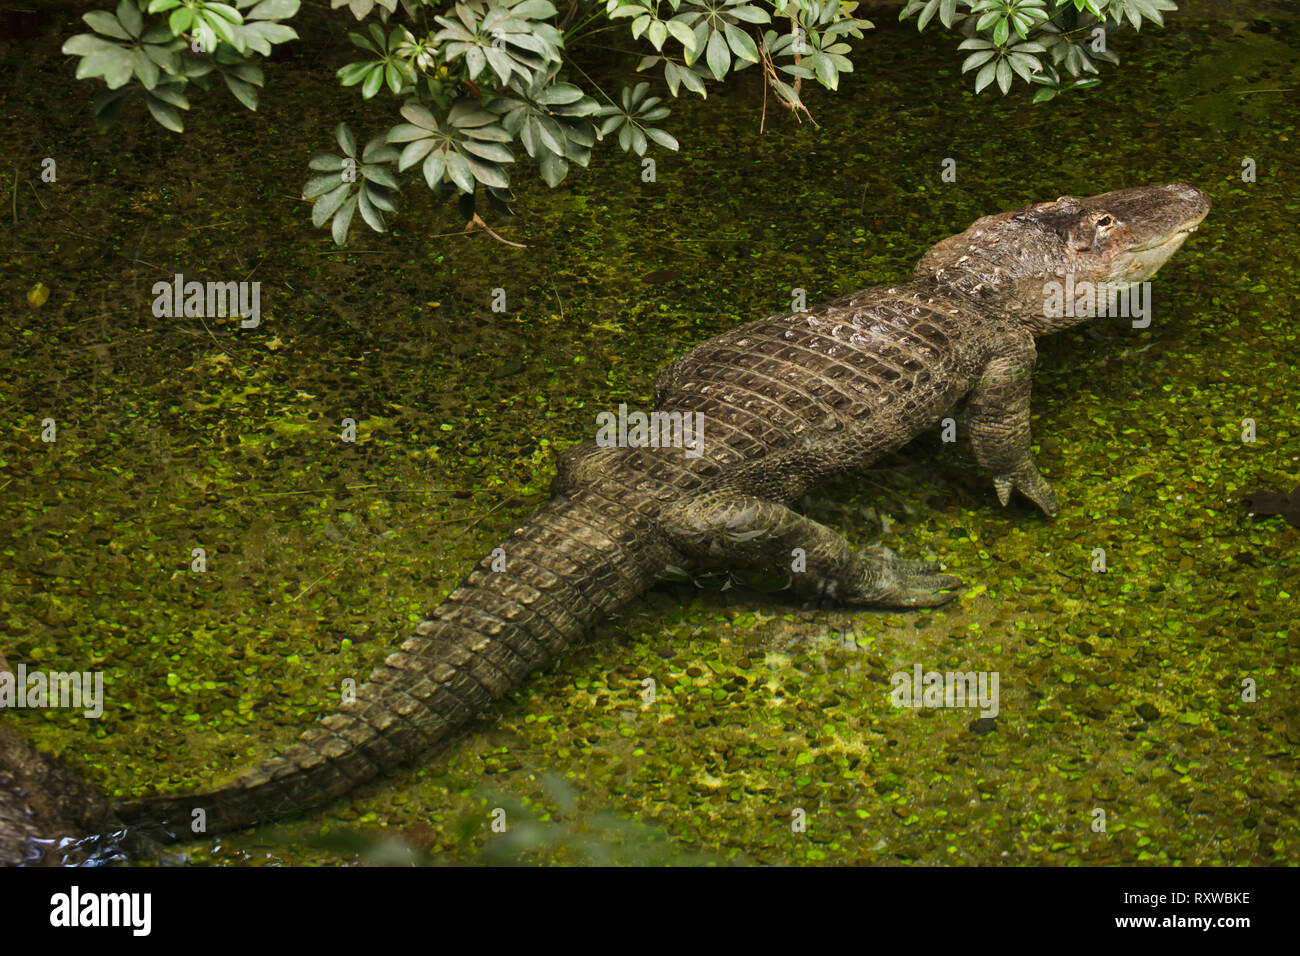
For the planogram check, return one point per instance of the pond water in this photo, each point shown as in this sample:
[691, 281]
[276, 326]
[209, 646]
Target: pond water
[1158, 697]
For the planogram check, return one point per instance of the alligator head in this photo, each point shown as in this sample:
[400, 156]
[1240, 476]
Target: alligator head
[1112, 241]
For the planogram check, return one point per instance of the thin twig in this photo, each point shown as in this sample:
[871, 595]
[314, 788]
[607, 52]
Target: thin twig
[769, 75]
[477, 222]
[37, 195]
[558, 299]
[387, 491]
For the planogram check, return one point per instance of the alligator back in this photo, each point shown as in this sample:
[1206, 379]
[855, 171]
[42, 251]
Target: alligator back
[578, 559]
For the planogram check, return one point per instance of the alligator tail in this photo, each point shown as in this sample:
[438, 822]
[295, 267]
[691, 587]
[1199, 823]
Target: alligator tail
[575, 561]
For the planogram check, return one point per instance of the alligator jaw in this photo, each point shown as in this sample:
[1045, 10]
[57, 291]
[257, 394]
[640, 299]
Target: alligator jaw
[1143, 260]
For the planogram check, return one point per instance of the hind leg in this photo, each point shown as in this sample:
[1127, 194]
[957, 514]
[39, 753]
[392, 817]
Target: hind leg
[739, 532]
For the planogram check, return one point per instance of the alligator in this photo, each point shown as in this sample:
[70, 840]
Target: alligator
[785, 403]
[50, 816]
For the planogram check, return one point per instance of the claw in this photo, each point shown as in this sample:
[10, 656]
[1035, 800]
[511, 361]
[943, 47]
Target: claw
[931, 582]
[916, 598]
[1003, 484]
[1031, 484]
[906, 583]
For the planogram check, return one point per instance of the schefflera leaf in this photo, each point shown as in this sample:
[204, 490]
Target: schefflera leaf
[347, 185]
[465, 147]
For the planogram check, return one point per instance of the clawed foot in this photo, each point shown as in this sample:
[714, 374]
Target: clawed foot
[1030, 484]
[893, 582]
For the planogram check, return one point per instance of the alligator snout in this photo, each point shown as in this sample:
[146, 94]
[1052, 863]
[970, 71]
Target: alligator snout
[1189, 194]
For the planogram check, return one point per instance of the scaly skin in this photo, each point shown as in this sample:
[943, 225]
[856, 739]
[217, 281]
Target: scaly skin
[787, 402]
[46, 810]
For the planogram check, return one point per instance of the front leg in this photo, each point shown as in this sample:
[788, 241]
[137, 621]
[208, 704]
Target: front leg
[998, 414]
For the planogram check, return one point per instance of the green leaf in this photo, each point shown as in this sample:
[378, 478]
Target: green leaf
[144, 68]
[693, 81]
[393, 75]
[466, 113]
[246, 93]
[827, 75]
[435, 166]
[551, 134]
[224, 11]
[460, 173]
[741, 43]
[318, 186]
[475, 61]
[353, 73]
[343, 221]
[560, 94]
[381, 175]
[377, 150]
[658, 34]
[166, 114]
[84, 44]
[493, 152]
[347, 142]
[533, 9]
[113, 63]
[717, 56]
[274, 10]
[553, 169]
[664, 139]
[927, 14]
[103, 22]
[107, 106]
[372, 216]
[682, 33]
[489, 174]
[418, 115]
[325, 161]
[749, 14]
[374, 80]
[128, 14]
[414, 152]
[381, 198]
[1024, 65]
[328, 203]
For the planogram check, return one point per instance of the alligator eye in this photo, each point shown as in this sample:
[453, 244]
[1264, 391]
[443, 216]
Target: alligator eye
[1105, 222]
